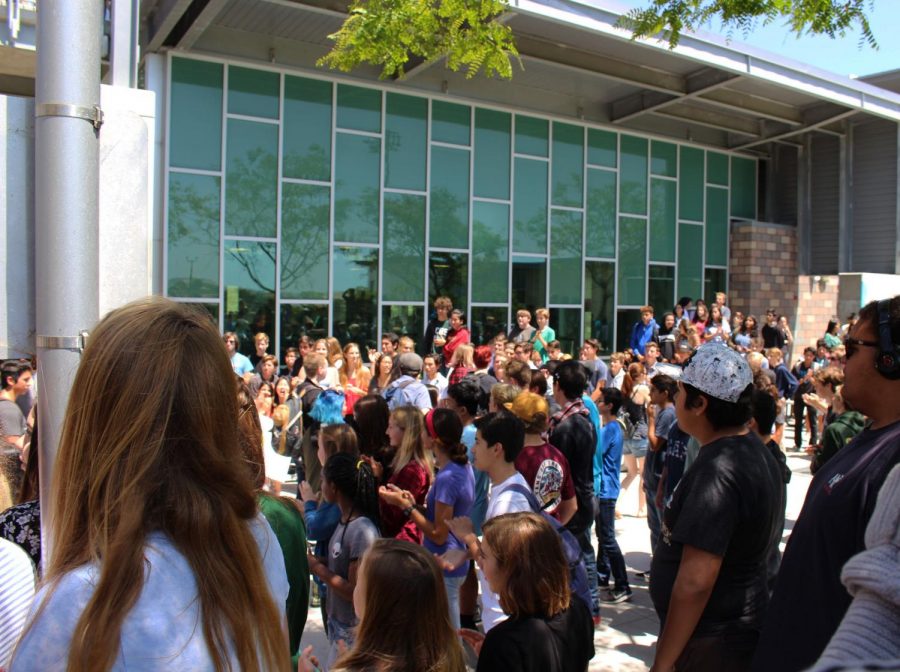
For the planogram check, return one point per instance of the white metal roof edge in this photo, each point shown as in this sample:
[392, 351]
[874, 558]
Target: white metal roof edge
[710, 51]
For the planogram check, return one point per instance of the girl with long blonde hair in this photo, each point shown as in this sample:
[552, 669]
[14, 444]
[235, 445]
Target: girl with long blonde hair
[160, 559]
[354, 377]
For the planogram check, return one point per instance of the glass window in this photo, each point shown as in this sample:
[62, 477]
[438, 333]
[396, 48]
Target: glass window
[195, 124]
[599, 302]
[690, 260]
[490, 252]
[304, 241]
[716, 226]
[743, 188]
[664, 158]
[404, 144]
[602, 148]
[358, 108]
[448, 275]
[529, 283]
[405, 321]
[450, 122]
[601, 213]
[193, 240]
[568, 165]
[566, 322]
[303, 320]
[690, 184]
[249, 290]
[714, 280]
[355, 294]
[626, 319]
[661, 290]
[565, 256]
[532, 135]
[716, 168]
[485, 322]
[530, 207]
[404, 248]
[251, 179]
[492, 151]
[307, 129]
[632, 261]
[662, 220]
[253, 92]
[633, 184]
[356, 189]
[449, 198]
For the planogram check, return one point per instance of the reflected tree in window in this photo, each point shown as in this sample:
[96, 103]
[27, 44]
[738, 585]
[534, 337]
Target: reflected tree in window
[193, 236]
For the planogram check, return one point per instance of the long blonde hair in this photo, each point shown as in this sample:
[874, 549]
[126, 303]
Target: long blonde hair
[412, 446]
[160, 451]
[360, 371]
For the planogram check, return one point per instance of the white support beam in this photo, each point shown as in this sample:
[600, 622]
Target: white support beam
[810, 126]
[695, 84]
[691, 114]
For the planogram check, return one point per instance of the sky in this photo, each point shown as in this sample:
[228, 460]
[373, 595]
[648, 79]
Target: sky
[843, 56]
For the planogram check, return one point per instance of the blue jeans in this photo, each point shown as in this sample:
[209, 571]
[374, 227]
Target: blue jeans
[590, 563]
[611, 559]
[453, 584]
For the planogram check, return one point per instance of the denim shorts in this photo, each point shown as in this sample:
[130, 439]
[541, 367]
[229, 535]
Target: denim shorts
[636, 447]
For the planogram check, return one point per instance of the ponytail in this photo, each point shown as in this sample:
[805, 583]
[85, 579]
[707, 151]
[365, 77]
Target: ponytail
[354, 479]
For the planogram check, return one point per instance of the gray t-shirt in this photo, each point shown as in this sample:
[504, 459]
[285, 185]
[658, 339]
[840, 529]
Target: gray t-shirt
[12, 422]
[348, 543]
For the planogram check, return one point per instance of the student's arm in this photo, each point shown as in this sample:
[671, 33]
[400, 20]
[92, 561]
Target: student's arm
[694, 584]
[342, 587]
[567, 509]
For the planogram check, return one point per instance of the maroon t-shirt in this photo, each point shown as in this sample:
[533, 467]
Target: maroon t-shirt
[547, 472]
[414, 478]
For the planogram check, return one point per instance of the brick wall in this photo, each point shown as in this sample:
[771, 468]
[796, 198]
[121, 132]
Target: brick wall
[817, 302]
[763, 268]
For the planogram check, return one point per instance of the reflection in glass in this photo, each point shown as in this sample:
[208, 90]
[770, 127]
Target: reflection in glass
[633, 175]
[715, 280]
[601, 213]
[193, 240]
[690, 184]
[405, 321]
[251, 179]
[599, 303]
[249, 290]
[195, 125]
[567, 324]
[307, 129]
[690, 260]
[662, 220]
[405, 135]
[663, 158]
[485, 322]
[530, 207]
[568, 165]
[404, 248]
[743, 187]
[565, 257]
[357, 172]
[448, 275]
[355, 296]
[300, 320]
[492, 152]
[661, 290]
[532, 135]
[253, 92]
[449, 202]
[490, 252]
[450, 122]
[304, 241]
[632, 261]
[359, 108]
[211, 308]
[602, 148]
[627, 318]
[716, 226]
[529, 283]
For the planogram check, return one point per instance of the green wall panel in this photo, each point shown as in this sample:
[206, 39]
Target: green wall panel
[601, 213]
[451, 122]
[253, 92]
[568, 165]
[357, 184]
[307, 129]
[663, 158]
[532, 136]
[663, 217]
[406, 129]
[717, 168]
[449, 202]
[492, 153]
[690, 184]
[251, 179]
[565, 256]
[716, 226]
[530, 206]
[193, 235]
[632, 265]
[403, 264]
[633, 175]
[195, 122]
[602, 148]
[305, 210]
[743, 188]
[490, 252]
[690, 261]
[358, 109]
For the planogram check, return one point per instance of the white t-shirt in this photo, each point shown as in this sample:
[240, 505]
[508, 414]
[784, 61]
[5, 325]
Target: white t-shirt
[16, 594]
[500, 500]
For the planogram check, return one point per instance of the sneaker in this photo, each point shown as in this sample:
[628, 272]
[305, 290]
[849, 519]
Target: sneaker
[643, 575]
[615, 596]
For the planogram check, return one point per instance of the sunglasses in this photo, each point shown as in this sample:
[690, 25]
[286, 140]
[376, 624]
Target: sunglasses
[852, 343]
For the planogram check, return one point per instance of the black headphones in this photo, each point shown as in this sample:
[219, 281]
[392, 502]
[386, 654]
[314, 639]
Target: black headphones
[888, 360]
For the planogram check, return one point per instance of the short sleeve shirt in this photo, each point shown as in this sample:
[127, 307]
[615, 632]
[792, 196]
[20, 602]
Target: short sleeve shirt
[547, 471]
[347, 545]
[12, 422]
[454, 486]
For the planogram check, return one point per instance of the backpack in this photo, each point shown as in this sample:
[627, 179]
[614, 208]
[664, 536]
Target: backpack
[390, 392]
[625, 422]
[578, 578]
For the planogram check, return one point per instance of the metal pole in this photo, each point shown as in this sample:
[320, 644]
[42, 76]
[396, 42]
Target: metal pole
[67, 121]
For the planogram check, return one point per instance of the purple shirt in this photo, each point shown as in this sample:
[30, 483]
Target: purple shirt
[454, 486]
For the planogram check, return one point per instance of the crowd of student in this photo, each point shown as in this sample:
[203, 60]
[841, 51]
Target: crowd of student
[450, 497]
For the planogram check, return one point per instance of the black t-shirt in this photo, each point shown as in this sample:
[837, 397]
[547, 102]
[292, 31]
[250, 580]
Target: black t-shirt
[809, 600]
[575, 438]
[728, 503]
[773, 337]
[564, 643]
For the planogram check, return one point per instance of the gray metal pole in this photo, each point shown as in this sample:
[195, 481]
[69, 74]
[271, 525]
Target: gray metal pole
[67, 104]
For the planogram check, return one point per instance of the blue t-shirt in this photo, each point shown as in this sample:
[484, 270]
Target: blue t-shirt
[241, 364]
[482, 481]
[454, 486]
[611, 447]
[594, 414]
[162, 631]
[654, 461]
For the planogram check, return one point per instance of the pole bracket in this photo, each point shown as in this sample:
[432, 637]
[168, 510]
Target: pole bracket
[92, 114]
[76, 343]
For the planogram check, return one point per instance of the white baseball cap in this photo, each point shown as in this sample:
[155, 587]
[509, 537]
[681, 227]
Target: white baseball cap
[719, 371]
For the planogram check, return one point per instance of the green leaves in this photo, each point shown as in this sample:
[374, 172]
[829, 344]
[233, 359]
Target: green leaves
[399, 34]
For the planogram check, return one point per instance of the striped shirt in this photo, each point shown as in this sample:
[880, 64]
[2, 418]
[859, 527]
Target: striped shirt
[17, 584]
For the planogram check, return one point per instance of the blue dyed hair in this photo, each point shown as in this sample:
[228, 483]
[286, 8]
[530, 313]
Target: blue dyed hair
[328, 408]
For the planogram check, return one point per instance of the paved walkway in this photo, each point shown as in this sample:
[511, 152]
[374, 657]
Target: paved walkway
[626, 640]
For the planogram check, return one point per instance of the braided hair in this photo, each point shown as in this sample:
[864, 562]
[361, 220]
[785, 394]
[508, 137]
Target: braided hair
[354, 479]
